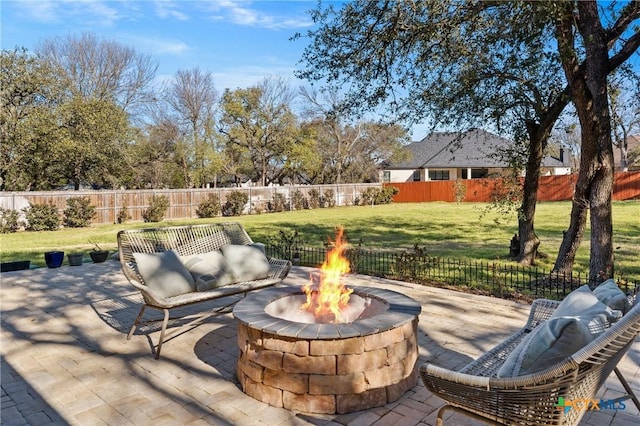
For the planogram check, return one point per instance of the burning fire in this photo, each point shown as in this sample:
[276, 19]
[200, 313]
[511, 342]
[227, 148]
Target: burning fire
[330, 296]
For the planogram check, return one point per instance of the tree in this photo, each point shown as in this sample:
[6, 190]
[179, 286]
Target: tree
[193, 98]
[351, 149]
[155, 160]
[93, 68]
[460, 64]
[93, 131]
[337, 136]
[303, 162]
[624, 102]
[28, 93]
[478, 62]
[258, 127]
[36, 158]
[589, 54]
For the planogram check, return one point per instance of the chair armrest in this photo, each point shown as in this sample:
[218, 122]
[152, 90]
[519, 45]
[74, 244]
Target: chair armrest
[541, 310]
[430, 372]
[279, 268]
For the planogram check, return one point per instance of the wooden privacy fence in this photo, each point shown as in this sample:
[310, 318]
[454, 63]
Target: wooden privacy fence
[182, 202]
[626, 186]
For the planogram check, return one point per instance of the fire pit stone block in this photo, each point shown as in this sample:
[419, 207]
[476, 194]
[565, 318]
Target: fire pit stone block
[328, 370]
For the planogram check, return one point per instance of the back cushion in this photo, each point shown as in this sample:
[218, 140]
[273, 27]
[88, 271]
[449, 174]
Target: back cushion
[164, 273]
[247, 262]
[610, 294]
[579, 319]
[209, 270]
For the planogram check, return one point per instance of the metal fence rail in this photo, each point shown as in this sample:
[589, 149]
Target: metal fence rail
[491, 278]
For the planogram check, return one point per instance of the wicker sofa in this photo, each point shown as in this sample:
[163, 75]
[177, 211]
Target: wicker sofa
[157, 262]
[559, 394]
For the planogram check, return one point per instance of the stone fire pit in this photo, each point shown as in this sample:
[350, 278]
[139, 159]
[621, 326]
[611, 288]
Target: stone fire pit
[325, 367]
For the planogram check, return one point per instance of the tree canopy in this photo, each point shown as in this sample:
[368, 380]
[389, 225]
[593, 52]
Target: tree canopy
[512, 66]
[82, 110]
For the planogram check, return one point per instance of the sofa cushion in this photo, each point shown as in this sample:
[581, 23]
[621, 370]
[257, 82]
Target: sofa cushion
[247, 262]
[610, 294]
[164, 273]
[579, 319]
[583, 303]
[209, 270]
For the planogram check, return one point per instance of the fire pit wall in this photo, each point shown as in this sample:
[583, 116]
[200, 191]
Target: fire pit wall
[328, 368]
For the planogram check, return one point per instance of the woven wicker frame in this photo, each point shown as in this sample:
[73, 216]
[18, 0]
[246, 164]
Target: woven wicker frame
[187, 240]
[532, 399]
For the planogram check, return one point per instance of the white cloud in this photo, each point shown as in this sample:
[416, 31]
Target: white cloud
[239, 13]
[157, 46]
[169, 9]
[89, 12]
[40, 11]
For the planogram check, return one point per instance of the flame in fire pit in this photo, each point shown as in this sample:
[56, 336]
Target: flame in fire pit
[330, 296]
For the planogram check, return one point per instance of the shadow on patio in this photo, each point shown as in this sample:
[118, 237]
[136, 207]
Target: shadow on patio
[64, 344]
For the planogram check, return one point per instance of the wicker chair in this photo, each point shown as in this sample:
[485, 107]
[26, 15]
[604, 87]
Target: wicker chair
[187, 240]
[533, 399]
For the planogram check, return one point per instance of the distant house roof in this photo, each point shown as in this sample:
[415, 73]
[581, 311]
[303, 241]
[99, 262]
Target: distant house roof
[550, 161]
[475, 148]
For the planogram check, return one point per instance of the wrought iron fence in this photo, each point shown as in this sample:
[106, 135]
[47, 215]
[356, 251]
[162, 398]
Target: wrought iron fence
[509, 281]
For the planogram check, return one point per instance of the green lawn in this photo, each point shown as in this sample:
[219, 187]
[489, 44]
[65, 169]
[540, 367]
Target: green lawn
[444, 229]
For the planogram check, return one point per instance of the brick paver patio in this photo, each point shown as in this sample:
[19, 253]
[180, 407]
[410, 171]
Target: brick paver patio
[65, 358]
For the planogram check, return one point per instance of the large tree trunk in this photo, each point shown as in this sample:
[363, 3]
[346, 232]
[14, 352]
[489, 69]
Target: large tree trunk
[595, 179]
[538, 133]
[529, 241]
[601, 259]
[572, 237]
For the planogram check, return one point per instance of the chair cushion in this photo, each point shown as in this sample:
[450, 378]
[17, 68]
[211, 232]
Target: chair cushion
[582, 302]
[164, 273]
[209, 270]
[610, 294]
[579, 319]
[550, 343]
[247, 262]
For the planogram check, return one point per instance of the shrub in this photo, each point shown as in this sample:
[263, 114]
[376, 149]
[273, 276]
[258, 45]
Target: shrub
[42, 217]
[328, 198]
[158, 205]
[258, 208]
[278, 203]
[236, 200]
[123, 215]
[209, 207]
[459, 190]
[8, 220]
[382, 195]
[314, 199]
[287, 244]
[368, 196]
[298, 200]
[385, 195]
[78, 212]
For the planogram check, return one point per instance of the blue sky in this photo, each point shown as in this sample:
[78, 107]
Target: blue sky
[240, 42]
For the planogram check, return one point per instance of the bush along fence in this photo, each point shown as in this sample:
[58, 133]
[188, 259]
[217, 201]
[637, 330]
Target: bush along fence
[489, 278]
[155, 205]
